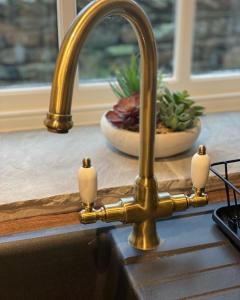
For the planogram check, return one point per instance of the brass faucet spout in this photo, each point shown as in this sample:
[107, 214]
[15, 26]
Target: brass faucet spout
[59, 118]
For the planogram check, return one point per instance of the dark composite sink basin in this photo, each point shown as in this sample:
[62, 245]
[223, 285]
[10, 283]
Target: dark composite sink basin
[66, 263]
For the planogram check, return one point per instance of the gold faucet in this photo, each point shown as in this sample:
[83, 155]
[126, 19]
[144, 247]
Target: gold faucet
[147, 205]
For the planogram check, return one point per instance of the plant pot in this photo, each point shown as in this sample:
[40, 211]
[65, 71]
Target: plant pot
[167, 144]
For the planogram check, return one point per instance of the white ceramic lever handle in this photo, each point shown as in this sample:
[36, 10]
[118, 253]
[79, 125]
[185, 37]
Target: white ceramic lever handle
[87, 179]
[200, 168]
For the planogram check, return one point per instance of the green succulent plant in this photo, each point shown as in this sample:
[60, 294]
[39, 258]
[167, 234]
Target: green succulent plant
[176, 111]
[128, 80]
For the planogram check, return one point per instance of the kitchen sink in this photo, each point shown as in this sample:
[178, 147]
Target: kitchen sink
[64, 263]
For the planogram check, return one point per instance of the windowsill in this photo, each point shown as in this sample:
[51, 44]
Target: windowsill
[36, 165]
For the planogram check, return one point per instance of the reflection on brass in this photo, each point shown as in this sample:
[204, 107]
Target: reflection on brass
[198, 198]
[146, 206]
[88, 207]
[86, 163]
[201, 150]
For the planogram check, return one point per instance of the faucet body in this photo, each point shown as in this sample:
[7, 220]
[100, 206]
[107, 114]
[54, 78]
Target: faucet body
[146, 206]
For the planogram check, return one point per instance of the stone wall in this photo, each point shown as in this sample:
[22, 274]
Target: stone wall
[113, 41]
[217, 36]
[28, 39]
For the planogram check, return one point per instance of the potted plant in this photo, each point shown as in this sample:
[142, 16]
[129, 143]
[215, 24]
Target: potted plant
[177, 122]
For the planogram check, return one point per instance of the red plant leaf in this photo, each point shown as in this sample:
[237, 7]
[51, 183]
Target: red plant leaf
[125, 105]
[114, 118]
[125, 113]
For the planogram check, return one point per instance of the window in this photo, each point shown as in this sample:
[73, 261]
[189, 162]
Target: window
[198, 46]
[28, 42]
[113, 41]
[217, 37]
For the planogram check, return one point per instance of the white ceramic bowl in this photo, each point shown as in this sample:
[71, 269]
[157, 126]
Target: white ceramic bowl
[165, 144]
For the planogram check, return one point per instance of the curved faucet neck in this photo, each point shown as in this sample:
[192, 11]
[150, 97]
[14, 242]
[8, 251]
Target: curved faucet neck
[59, 117]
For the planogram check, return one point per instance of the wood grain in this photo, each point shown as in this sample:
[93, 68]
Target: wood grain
[37, 223]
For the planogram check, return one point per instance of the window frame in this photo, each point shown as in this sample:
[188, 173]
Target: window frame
[25, 108]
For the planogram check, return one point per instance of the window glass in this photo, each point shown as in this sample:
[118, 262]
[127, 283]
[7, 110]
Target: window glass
[28, 41]
[217, 36]
[113, 41]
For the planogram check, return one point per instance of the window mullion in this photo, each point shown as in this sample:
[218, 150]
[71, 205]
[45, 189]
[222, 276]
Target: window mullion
[185, 14]
[66, 11]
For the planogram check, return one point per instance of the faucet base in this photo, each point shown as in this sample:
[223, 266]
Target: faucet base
[144, 236]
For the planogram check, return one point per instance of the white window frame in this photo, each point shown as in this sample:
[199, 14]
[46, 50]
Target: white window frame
[25, 108]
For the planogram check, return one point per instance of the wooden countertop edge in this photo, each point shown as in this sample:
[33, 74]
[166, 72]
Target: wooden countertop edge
[63, 219]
